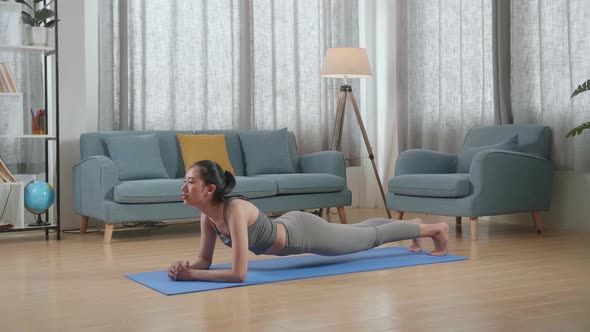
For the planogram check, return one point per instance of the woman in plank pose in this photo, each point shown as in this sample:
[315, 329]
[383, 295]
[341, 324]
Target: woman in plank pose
[243, 227]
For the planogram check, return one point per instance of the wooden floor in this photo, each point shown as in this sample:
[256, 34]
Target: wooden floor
[514, 280]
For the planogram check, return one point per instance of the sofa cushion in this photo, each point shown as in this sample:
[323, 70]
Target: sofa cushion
[136, 156]
[149, 191]
[431, 185]
[169, 190]
[468, 152]
[266, 152]
[306, 183]
[254, 187]
[204, 147]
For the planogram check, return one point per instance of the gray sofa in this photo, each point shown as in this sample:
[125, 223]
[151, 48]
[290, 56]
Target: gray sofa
[318, 179]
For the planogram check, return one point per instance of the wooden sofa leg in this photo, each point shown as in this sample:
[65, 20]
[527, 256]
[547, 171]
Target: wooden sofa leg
[108, 233]
[474, 228]
[458, 222]
[342, 215]
[538, 221]
[399, 215]
[83, 224]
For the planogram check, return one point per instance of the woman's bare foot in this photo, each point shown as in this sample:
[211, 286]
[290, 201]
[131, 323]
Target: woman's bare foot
[416, 243]
[440, 239]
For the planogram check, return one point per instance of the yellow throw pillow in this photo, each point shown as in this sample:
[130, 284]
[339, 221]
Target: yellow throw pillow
[204, 147]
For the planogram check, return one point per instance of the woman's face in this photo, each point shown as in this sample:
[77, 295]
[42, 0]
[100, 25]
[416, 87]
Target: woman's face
[194, 190]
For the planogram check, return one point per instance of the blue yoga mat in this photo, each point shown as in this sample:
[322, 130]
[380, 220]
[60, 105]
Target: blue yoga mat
[297, 267]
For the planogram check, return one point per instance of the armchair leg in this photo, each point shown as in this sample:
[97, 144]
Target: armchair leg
[538, 221]
[342, 215]
[83, 224]
[399, 215]
[108, 233]
[458, 222]
[474, 228]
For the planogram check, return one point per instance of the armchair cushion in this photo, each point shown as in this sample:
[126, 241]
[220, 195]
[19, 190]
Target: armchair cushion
[468, 152]
[431, 185]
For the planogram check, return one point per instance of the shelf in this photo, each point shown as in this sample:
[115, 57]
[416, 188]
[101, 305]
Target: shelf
[10, 94]
[41, 49]
[27, 228]
[49, 137]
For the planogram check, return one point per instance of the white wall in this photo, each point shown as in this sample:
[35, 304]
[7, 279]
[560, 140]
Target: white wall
[77, 55]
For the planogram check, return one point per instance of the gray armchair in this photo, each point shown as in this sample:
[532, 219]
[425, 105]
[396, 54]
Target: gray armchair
[500, 170]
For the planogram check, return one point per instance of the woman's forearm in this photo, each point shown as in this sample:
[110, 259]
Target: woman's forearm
[200, 264]
[217, 275]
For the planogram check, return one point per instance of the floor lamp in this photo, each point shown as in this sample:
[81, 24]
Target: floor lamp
[344, 62]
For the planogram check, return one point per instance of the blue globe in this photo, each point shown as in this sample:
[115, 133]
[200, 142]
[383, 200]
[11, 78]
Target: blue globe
[39, 196]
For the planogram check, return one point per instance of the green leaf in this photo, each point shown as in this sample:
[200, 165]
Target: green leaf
[578, 130]
[44, 14]
[28, 19]
[581, 88]
[50, 23]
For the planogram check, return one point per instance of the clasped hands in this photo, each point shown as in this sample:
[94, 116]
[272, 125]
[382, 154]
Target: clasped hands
[179, 271]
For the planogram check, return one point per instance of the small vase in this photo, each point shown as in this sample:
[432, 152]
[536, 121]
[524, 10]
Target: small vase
[37, 35]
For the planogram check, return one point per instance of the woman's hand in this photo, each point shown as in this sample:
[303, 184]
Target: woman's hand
[179, 271]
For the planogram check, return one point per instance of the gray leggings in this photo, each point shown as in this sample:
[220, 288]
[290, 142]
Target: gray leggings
[308, 233]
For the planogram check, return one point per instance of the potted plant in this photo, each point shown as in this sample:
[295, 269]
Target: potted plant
[39, 22]
[579, 129]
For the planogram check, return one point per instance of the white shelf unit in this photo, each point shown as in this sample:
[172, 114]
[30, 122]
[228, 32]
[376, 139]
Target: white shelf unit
[15, 119]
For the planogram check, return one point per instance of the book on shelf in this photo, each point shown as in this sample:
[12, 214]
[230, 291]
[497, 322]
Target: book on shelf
[5, 173]
[2, 178]
[6, 225]
[7, 78]
[4, 87]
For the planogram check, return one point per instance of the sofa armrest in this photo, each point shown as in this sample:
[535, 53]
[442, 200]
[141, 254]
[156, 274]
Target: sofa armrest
[331, 162]
[94, 180]
[509, 177]
[420, 161]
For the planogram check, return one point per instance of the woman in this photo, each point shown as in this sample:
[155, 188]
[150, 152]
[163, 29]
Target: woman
[243, 227]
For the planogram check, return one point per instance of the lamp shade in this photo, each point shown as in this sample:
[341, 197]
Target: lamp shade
[346, 62]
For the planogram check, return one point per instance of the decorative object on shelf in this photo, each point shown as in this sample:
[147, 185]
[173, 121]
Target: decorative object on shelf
[350, 62]
[579, 129]
[5, 225]
[39, 122]
[39, 22]
[39, 196]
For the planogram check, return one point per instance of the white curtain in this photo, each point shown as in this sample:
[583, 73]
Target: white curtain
[224, 64]
[550, 47]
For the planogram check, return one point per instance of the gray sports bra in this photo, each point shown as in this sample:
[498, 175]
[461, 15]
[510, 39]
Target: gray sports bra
[261, 234]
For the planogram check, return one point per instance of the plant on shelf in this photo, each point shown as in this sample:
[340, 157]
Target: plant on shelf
[579, 129]
[39, 21]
